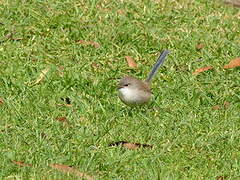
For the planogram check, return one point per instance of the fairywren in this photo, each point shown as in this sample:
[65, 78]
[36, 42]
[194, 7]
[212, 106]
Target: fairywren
[132, 91]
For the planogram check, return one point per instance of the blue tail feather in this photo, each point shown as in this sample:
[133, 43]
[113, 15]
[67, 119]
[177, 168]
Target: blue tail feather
[158, 64]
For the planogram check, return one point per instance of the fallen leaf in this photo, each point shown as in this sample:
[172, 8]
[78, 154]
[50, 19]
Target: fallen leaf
[226, 104]
[95, 65]
[1, 101]
[21, 163]
[92, 43]
[62, 119]
[129, 145]
[10, 35]
[61, 68]
[131, 62]
[60, 71]
[233, 63]
[197, 71]
[216, 107]
[68, 169]
[67, 105]
[41, 76]
[199, 46]
[43, 135]
[17, 39]
[121, 12]
[221, 177]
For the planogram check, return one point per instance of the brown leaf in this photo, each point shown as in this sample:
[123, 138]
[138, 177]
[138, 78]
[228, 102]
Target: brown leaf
[21, 163]
[41, 76]
[1, 101]
[129, 145]
[67, 105]
[197, 71]
[17, 39]
[68, 169]
[43, 135]
[95, 65]
[60, 71]
[121, 12]
[10, 35]
[131, 62]
[199, 46]
[92, 43]
[221, 177]
[226, 104]
[62, 119]
[216, 107]
[233, 63]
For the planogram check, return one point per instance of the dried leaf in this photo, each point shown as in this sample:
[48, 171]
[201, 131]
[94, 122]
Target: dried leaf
[21, 163]
[197, 71]
[95, 65]
[92, 43]
[62, 119]
[216, 107]
[131, 62]
[68, 169]
[60, 71]
[1, 101]
[233, 63]
[17, 39]
[67, 105]
[43, 135]
[199, 46]
[121, 12]
[10, 35]
[129, 145]
[226, 104]
[221, 177]
[41, 76]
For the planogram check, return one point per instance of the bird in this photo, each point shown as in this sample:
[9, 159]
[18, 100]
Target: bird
[133, 91]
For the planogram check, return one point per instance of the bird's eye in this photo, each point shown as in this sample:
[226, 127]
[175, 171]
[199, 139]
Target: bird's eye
[126, 84]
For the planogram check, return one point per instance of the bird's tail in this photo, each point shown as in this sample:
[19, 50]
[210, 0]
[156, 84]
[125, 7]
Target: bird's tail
[158, 64]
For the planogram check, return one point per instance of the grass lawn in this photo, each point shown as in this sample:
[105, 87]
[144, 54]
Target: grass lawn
[52, 51]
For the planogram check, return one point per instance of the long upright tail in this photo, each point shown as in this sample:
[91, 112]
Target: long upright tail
[158, 64]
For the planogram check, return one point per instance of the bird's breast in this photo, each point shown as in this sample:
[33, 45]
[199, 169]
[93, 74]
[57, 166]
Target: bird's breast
[134, 96]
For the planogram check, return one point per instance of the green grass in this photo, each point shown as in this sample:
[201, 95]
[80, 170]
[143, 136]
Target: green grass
[190, 140]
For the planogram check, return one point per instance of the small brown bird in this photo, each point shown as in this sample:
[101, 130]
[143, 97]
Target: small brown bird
[132, 91]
